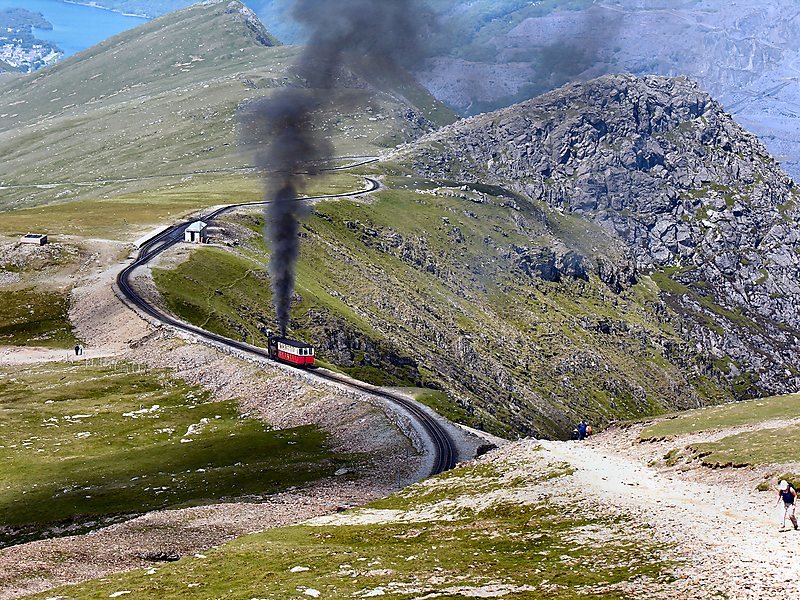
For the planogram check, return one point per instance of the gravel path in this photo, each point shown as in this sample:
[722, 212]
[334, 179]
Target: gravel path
[19, 355]
[719, 539]
[726, 537]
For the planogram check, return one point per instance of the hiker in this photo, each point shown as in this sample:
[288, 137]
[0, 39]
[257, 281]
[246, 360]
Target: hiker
[80, 349]
[77, 349]
[582, 430]
[575, 434]
[787, 493]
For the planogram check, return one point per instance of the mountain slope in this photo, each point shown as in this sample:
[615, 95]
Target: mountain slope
[499, 528]
[611, 249]
[657, 165]
[162, 99]
[744, 52]
[508, 525]
[491, 54]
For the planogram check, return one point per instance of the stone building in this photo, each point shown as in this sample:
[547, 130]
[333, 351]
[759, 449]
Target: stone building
[196, 233]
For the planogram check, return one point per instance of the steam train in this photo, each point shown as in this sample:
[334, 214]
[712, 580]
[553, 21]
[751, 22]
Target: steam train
[290, 351]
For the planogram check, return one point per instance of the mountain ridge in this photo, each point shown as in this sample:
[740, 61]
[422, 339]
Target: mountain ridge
[164, 99]
[657, 165]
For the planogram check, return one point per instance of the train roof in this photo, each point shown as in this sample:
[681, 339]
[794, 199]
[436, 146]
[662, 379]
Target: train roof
[291, 342]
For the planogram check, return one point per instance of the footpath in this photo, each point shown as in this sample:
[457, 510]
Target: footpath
[726, 538]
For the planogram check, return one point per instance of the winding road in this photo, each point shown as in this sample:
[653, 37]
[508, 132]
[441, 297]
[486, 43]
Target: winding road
[441, 442]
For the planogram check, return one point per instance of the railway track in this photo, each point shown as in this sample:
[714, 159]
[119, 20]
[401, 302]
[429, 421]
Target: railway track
[443, 445]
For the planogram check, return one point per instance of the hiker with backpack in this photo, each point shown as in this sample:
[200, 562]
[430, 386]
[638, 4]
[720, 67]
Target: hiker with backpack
[788, 494]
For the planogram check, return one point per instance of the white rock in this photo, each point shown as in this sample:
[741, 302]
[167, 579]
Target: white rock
[298, 569]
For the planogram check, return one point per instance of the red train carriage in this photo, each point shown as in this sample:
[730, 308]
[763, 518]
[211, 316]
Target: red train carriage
[291, 351]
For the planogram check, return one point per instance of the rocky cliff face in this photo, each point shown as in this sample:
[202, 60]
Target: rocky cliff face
[696, 201]
[743, 51]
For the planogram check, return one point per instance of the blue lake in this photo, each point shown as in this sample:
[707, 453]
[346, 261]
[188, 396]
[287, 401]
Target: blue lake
[75, 27]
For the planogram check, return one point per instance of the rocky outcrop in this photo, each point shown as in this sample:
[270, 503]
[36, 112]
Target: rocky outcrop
[359, 353]
[252, 22]
[744, 52]
[657, 165]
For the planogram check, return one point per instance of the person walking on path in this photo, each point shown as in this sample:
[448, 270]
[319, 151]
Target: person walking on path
[787, 493]
[582, 430]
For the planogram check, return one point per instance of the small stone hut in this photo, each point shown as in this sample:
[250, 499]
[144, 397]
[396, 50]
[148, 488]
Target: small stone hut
[196, 233]
[37, 239]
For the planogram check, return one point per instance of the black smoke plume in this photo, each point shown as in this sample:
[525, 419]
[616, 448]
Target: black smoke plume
[367, 37]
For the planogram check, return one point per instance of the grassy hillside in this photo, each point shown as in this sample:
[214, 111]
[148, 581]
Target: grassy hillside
[30, 317]
[34, 293]
[763, 434]
[84, 446]
[162, 100]
[433, 286]
[478, 531]
[735, 414]
[127, 216]
[151, 8]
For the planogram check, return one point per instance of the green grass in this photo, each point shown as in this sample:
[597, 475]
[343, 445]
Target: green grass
[664, 281]
[554, 552]
[34, 317]
[446, 406]
[763, 447]
[172, 111]
[222, 292]
[230, 295]
[726, 416]
[82, 446]
[777, 445]
[126, 216]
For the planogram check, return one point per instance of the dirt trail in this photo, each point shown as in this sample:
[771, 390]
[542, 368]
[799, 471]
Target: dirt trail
[102, 323]
[727, 537]
[19, 355]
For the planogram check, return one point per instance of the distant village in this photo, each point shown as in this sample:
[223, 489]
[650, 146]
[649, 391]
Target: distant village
[19, 48]
[28, 59]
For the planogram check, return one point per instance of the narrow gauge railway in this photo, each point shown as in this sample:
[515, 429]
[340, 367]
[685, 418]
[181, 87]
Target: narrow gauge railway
[443, 445]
